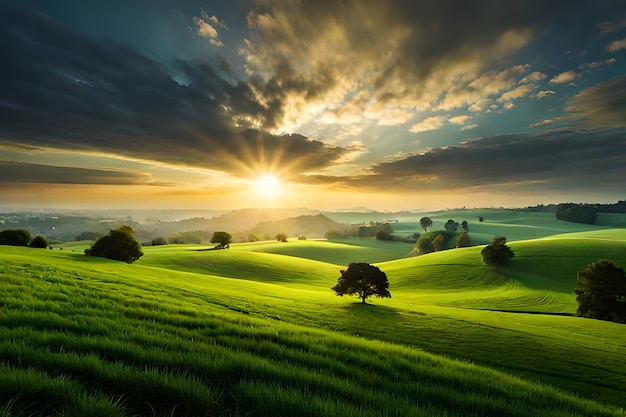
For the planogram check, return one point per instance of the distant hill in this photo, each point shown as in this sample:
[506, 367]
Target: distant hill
[310, 226]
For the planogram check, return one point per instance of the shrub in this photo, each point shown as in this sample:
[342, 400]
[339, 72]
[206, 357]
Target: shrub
[39, 242]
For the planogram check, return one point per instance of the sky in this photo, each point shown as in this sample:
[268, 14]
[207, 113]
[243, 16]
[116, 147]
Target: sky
[327, 104]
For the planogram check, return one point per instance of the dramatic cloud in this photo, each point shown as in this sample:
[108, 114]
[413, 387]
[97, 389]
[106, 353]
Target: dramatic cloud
[603, 104]
[23, 172]
[560, 161]
[65, 91]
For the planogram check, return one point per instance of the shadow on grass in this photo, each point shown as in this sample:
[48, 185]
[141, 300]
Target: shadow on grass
[372, 310]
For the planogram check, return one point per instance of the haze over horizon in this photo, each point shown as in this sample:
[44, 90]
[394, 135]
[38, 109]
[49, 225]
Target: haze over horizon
[325, 104]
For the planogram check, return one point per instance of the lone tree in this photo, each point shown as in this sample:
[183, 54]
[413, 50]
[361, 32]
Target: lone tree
[601, 292]
[281, 237]
[364, 280]
[465, 226]
[223, 239]
[497, 253]
[119, 245]
[426, 223]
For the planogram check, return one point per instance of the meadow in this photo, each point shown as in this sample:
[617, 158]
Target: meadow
[256, 330]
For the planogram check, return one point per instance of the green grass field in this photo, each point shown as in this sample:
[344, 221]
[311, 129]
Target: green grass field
[256, 330]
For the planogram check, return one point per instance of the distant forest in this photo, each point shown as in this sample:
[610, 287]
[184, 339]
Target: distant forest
[579, 212]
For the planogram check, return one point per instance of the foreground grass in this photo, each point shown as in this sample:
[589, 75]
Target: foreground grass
[188, 333]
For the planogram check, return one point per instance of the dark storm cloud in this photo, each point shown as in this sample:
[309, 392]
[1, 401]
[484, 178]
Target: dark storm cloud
[64, 90]
[559, 160]
[603, 104]
[406, 52]
[37, 173]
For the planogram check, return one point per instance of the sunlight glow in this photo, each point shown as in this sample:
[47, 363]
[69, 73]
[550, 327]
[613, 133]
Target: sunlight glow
[268, 186]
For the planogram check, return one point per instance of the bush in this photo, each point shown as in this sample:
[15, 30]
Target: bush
[497, 253]
[158, 241]
[15, 237]
[39, 242]
[118, 245]
[383, 235]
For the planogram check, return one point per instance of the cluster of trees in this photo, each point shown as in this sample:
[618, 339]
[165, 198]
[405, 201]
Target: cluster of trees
[370, 230]
[454, 235]
[587, 213]
[22, 237]
[577, 213]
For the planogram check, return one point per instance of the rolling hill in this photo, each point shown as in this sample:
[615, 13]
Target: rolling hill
[256, 329]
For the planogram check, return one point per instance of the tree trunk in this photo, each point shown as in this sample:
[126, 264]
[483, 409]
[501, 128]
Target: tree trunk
[363, 299]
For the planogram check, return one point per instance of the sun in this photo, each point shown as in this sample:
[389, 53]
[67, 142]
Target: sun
[268, 186]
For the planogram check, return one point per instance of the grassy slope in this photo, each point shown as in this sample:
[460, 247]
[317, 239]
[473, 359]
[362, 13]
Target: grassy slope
[435, 307]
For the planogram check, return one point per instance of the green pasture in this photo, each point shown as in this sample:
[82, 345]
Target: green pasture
[514, 225]
[256, 330]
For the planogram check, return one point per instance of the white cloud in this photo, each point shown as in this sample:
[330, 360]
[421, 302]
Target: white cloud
[616, 45]
[516, 93]
[480, 105]
[205, 29]
[542, 123]
[564, 77]
[544, 94]
[597, 64]
[533, 77]
[468, 127]
[430, 123]
[508, 105]
[459, 120]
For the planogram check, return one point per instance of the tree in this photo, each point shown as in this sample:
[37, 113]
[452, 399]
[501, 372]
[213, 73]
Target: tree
[451, 226]
[463, 240]
[425, 245]
[118, 245]
[481, 219]
[158, 241]
[363, 280]
[465, 226]
[601, 291]
[223, 239]
[15, 237]
[39, 242]
[426, 223]
[497, 253]
[281, 237]
[438, 242]
[383, 235]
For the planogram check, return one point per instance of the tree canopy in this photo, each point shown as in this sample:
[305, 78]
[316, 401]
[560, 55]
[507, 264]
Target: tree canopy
[601, 291]
[426, 223]
[15, 237]
[363, 280]
[119, 245]
[497, 253]
[222, 238]
[39, 242]
[281, 237]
